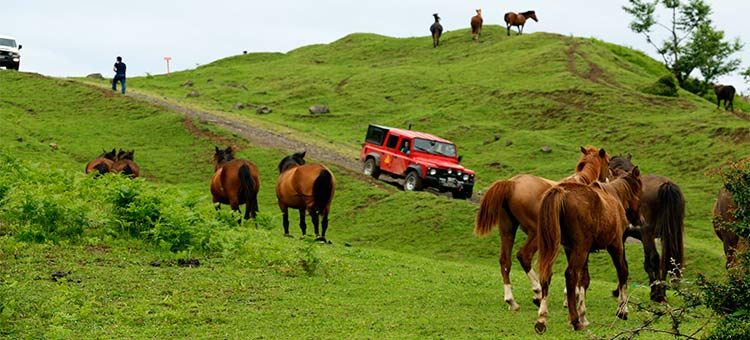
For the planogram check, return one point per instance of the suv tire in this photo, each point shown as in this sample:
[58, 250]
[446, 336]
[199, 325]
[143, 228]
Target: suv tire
[463, 194]
[412, 182]
[370, 168]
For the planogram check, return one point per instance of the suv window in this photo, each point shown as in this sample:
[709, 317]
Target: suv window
[392, 141]
[8, 42]
[404, 147]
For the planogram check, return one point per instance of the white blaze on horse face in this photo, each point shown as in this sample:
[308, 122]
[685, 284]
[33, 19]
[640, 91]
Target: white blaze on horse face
[512, 305]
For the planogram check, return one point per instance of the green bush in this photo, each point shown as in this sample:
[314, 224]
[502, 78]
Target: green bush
[666, 86]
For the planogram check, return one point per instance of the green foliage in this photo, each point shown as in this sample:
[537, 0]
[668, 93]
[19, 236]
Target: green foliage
[664, 87]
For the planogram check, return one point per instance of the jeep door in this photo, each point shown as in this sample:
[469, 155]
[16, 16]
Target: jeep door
[401, 157]
[389, 153]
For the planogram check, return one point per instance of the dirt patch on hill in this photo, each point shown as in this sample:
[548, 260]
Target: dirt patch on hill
[593, 72]
[189, 125]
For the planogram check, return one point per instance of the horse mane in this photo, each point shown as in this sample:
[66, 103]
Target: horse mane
[527, 13]
[291, 161]
[622, 187]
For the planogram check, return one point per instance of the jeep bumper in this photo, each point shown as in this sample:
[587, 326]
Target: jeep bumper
[448, 183]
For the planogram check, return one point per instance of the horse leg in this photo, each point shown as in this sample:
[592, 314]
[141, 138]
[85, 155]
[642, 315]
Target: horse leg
[285, 212]
[235, 204]
[541, 321]
[651, 264]
[520, 30]
[507, 28]
[583, 286]
[507, 237]
[576, 262]
[324, 226]
[315, 219]
[302, 224]
[525, 256]
[617, 252]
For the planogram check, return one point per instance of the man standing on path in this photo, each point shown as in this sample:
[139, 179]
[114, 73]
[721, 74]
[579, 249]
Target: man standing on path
[119, 69]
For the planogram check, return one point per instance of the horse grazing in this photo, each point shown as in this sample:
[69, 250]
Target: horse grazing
[663, 215]
[235, 181]
[514, 202]
[585, 218]
[306, 187]
[723, 209]
[125, 164]
[476, 25]
[518, 20]
[725, 93]
[103, 163]
[437, 30]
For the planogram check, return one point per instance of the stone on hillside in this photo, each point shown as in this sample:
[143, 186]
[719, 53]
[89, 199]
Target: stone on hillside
[193, 94]
[262, 110]
[19, 139]
[318, 109]
[508, 142]
[97, 76]
[546, 149]
[239, 106]
[187, 83]
[53, 146]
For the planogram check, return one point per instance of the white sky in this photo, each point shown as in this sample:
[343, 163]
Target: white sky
[77, 37]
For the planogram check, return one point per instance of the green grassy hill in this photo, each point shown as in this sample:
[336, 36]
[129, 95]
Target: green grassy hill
[402, 264]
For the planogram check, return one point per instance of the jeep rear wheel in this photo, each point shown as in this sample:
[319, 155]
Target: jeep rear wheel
[370, 168]
[412, 182]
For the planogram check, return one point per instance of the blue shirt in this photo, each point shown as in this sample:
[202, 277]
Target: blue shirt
[120, 67]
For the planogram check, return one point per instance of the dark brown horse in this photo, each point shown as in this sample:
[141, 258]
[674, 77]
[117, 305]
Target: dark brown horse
[663, 215]
[437, 30]
[723, 214]
[585, 218]
[125, 164]
[306, 187]
[725, 93]
[235, 181]
[518, 20]
[515, 202]
[476, 25]
[103, 163]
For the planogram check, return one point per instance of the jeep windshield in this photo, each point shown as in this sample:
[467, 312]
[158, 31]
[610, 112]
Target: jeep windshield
[435, 147]
[7, 42]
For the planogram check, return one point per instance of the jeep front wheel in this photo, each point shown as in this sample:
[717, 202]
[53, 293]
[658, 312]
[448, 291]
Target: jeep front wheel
[412, 182]
[371, 169]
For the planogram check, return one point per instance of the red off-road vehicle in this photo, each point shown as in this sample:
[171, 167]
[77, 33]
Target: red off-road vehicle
[421, 159]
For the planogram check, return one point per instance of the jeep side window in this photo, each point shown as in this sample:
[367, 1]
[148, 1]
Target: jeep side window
[404, 146]
[392, 141]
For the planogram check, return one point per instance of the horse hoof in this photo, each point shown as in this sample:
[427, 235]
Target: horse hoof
[622, 316]
[537, 301]
[540, 327]
[321, 239]
[512, 305]
[616, 293]
[577, 326]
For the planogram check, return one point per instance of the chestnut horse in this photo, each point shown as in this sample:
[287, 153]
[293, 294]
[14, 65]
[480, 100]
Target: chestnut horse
[663, 215]
[125, 164]
[723, 210]
[306, 187]
[514, 202]
[585, 218]
[476, 25]
[103, 163]
[235, 181]
[518, 20]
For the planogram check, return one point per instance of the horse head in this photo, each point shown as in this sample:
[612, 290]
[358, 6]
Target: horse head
[593, 165]
[632, 201]
[437, 18]
[479, 12]
[530, 15]
[222, 155]
[294, 160]
[111, 155]
[124, 154]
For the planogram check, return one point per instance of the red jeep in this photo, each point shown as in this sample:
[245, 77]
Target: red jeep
[421, 159]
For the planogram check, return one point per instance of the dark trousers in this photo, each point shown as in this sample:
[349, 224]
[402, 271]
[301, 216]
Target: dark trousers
[120, 78]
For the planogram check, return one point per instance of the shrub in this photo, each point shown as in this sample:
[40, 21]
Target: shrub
[666, 86]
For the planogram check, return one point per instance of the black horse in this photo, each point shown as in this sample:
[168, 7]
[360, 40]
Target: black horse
[662, 216]
[437, 30]
[725, 93]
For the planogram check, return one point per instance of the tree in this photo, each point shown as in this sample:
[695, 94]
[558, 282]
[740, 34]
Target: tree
[746, 74]
[692, 43]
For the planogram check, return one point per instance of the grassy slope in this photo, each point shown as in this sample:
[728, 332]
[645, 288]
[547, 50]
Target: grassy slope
[538, 89]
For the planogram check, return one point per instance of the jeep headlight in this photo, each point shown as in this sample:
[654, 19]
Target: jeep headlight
[16, 59]
[433, 172]
[459, 173]
[450, 171]
[466, 177]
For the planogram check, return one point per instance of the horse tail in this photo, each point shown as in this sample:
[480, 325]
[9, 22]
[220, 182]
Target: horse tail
[492, 207]
[507, 18]
[323, 190]
[669, 226]
[102, 168]
[549, 232]
[247, 188]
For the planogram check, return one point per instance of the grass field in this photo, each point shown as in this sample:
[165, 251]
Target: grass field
[402, 264]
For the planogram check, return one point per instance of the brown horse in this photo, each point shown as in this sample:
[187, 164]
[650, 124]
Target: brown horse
[663, 215]
[514, 202]
[125, 164]
[476, 25]
[103, 163]
[585, 218]
[306, 187]
[518, 20]
[722, 214]
[235, 181]
[725, 93]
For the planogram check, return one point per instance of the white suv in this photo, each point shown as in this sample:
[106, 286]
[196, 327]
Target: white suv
[10, 57]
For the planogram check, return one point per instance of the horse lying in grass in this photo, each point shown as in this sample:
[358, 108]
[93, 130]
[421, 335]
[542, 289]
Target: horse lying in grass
[515, 202]
[235, 182]
[103, 163]
[125, 164]
[584, 218]
[308, 188]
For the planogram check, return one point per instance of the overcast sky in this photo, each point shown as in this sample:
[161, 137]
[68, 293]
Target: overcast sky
[76, 37]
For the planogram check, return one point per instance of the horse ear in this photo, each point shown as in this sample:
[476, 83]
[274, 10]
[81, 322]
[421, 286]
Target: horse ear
[301, 154]
[216, 149]
[602, 153]
[636, 172]
[583, 150]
